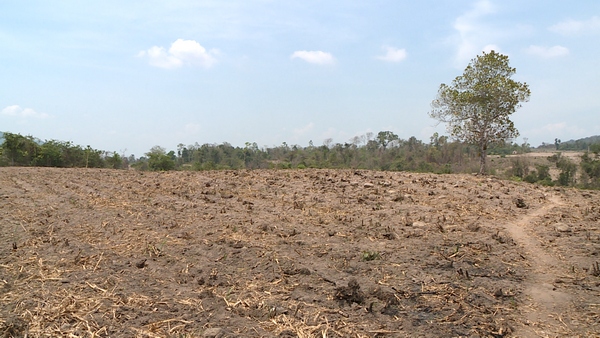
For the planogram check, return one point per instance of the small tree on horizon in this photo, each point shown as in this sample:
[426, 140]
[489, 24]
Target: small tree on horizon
[477, 105]
[160, 160]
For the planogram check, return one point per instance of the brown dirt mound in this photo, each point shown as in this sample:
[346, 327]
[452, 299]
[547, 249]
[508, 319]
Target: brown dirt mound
[311, 253]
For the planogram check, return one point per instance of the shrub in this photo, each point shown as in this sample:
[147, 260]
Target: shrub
[568, 171]
[520, 167]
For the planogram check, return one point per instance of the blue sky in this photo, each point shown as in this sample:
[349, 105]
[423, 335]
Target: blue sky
[128, 75]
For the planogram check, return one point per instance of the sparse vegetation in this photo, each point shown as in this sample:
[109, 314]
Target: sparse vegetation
[386, 152]
[370, 255]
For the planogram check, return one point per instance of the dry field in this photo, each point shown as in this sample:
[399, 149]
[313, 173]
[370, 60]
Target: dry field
[500, 164]
[307, 253]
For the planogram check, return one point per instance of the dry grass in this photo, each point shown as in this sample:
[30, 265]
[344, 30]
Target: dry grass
[269, 253]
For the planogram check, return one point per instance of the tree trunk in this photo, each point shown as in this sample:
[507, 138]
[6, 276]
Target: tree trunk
[482, 157]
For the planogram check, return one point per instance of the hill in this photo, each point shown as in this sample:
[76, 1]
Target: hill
[580, 144]
[588, 140]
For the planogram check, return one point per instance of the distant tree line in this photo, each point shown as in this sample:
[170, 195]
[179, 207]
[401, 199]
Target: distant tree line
[584, 144]
[581, 144]
[383, 151]
[19, 150]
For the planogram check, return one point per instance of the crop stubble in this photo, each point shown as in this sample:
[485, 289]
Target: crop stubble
[307, 253]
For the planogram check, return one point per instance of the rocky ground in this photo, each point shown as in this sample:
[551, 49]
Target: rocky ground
[306, 253]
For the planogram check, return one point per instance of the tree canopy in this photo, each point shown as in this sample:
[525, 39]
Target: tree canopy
[477, 105]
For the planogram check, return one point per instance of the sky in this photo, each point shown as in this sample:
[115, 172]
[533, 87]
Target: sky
[125, 76]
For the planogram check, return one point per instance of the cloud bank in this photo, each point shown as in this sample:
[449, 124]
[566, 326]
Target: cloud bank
[548, 52]
[393, 55]
[572, 27]
[472, 37]
[17, 111]
[315, 57]
[303, 130]
[181, 53]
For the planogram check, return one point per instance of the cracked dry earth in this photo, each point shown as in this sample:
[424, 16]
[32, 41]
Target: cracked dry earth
[306, 253]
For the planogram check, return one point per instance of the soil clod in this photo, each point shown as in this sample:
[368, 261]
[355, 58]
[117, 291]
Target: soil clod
[351, 293]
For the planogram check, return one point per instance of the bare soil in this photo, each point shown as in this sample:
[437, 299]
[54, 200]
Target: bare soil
[307, 253]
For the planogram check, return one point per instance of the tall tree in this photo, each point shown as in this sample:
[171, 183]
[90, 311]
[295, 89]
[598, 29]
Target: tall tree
[477, 105]
[386, 137]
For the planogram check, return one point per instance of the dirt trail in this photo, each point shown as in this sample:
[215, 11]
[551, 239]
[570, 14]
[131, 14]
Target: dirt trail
[547, 304]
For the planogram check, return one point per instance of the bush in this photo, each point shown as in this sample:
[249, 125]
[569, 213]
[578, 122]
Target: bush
[531, 178]
[160, 162]
[520, 167]
[568, 171]
[590, 167]
[543, 172]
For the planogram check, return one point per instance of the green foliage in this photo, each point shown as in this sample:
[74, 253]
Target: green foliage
[93, 158]
[568, 170]
[590, 166]
[555, 158]
[370, 255]
[115, 161]
[384, 138]
[50, 155]
[477, 105]
[531, 178]
[595, 148]
[21, 150]
[586, 144]
[160, 160]
[441, 156]
[543, 172]
[541, 175]
[141, 164]
[519, 168]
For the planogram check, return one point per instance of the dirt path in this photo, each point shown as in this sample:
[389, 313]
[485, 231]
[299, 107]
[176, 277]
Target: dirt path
[547, 304]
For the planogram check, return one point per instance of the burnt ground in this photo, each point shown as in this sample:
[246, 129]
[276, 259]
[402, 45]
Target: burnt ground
[306, 253]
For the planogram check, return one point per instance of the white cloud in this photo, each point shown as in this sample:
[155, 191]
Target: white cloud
[393, 55]
[336, 135]
[192, 128]
[301, 131]
[571, 27]
[317, 57]
[560, 130]
[472, 36]
[17, 111]
[489, 48]
[548, 52]
[182, 52]
[554, 127]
